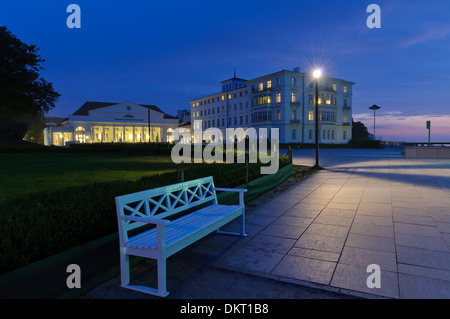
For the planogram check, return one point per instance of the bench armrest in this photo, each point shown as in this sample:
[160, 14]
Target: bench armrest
[240, 190]
[230, 189]
[146, 220]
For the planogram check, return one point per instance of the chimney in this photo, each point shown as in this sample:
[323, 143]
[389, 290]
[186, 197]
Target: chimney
[297, 69]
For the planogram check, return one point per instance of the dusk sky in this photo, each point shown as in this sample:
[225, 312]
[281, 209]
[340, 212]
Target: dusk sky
[168, 52]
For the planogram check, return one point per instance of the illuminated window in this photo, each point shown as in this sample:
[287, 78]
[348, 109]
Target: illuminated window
[319, 100]
[334, 87]
[345, 118]
[345, 89]
[278, 115]
[269, 84]
[229, 96]
[311, 116]
[278, 97]
[223, 97]
[293, 81]
[269, 99]
[261, 86]
[294, 115]
[294, 97]
[80, 129]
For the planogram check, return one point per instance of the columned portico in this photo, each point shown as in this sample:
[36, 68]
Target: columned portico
[97, 122]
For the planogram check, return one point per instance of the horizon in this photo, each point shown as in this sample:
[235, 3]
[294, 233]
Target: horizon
[166, 54]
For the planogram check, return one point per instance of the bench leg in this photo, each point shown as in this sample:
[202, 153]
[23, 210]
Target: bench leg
[124, 268]
[242, 226]
[162, 277]
[125, 277]
[241, 229]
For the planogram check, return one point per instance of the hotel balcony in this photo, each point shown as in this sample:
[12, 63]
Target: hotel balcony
[296, 104]
[327, 122]
[257, 90]
[295, 122]
[327, 89]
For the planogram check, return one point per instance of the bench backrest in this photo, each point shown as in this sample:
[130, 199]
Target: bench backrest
[165, 201]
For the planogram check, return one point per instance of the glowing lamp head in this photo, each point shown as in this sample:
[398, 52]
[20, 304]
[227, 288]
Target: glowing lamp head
[317, 73]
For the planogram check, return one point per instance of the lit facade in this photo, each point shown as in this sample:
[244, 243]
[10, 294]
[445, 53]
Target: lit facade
[99, 122]
[283, 100]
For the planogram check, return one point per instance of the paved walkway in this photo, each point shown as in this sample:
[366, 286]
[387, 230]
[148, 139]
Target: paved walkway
[367, 207]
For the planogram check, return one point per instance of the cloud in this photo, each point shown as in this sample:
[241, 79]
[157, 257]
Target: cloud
[432, 33]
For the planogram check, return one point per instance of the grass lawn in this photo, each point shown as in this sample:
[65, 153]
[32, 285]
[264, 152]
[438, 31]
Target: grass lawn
[24, 173]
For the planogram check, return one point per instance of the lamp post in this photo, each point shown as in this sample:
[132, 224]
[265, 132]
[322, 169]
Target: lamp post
[374, 108]
[317, 73]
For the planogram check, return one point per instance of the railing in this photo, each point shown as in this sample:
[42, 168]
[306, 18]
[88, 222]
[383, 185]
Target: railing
[295, 121]
[423, 144]
[327, 89]
[257, 90]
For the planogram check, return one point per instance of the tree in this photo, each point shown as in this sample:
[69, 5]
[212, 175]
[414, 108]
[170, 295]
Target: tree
[359, 131]
[24, 95]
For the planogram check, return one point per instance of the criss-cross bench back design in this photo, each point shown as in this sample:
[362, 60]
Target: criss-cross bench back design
[159, 207]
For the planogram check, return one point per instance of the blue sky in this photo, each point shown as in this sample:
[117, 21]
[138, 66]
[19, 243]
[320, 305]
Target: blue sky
[169, 52]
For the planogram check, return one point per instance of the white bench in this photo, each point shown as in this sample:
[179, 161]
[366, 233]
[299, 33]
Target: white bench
[135, 212]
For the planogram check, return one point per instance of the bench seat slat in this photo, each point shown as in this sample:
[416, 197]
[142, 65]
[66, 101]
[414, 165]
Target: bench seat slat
[182, 227]
[192, 218]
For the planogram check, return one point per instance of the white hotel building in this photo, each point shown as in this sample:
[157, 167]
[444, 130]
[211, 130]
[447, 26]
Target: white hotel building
[101, 122]
[283, 100]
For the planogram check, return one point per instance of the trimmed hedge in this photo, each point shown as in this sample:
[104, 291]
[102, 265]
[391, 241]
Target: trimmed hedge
[43, 224]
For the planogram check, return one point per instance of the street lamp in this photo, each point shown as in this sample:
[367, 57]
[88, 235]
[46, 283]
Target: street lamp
[374, 108]
[316, 74]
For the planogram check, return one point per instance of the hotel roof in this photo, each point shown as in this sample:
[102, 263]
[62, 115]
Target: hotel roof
[88, 106]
